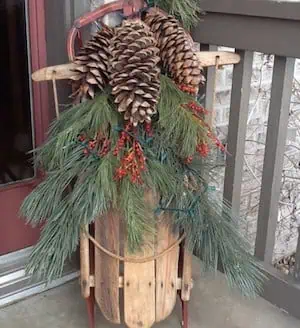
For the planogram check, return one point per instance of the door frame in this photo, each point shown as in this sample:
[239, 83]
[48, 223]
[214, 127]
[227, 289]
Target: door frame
[37, 54]
[16, 285]
[37, 58]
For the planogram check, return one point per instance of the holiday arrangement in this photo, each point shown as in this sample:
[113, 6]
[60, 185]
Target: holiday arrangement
[136, 126]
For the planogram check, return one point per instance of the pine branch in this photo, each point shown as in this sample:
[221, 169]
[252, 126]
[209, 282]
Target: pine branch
[59, 239]
[186, 11]
[89, 117]
[139, 216]
[213, 235]
[180, 129]
[95, 191]
[210, 227]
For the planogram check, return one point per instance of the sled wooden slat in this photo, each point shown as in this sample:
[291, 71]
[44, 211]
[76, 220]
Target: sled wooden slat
[84, 264]
[208, 58]
[139, 284]
[166, 271]
[65, 71]
[59, 72]
[107, 233]
[187, 285]
[139, 290]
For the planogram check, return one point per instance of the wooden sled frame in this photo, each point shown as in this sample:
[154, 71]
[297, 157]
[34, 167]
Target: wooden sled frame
[174, 267]
[100, 276]
[66, 71]
[89, 269]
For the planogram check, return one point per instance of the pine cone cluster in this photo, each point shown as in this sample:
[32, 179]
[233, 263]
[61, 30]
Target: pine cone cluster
[135, 75]
[129, 57]
[179, 59]
[93, 62]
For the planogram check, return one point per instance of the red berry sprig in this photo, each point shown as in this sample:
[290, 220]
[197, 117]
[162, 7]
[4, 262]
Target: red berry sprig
[92, 144]
[82, 138]
[217, 141]
[120, 173]
[203, 149]
[188, 89]
[105, 147]
[100, 146]
[123, 139]
[220, 145]
[188, 160]
[132, 164]
[197, 109]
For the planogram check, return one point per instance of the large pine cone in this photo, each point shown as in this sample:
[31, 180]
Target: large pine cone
[179, 59]
[134, 72]
[93, 63]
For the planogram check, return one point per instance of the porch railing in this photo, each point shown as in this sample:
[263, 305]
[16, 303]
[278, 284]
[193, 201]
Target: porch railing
[268, 27]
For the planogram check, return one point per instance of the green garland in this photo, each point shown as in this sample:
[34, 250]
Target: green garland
[187, 11]
[84, 182]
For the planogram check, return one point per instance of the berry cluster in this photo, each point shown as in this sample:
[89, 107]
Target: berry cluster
[217, 142]
[123, 139]
[188, 160]
[82, 138]
[188, 89]
[220, 145]
[132, 164]
[105, 149]
[203, 149]
[197, 109]
[100, 146]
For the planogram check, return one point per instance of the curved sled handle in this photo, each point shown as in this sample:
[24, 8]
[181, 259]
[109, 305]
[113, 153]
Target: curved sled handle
[129, 8]
[66, 71]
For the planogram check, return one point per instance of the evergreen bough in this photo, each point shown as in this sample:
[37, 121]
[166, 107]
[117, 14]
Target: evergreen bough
[79, 188]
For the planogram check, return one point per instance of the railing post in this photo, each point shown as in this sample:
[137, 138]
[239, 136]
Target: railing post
[241, 87]
[281, 92]
[209, 88]
[297, 258]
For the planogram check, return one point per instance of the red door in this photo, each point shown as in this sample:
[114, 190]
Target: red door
[24, 114]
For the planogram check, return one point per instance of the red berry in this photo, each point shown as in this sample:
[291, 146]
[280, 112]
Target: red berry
[188, 160]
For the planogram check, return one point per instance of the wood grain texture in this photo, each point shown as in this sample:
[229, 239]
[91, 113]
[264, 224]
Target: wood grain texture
[139, 291]
[186, 276]
[84, 264]
[59, 72]
[65, 71]
[208, 58]
[139, 285]
[166, 270]
[107, 233]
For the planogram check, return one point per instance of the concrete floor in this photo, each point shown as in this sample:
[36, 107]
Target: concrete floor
[212, 306]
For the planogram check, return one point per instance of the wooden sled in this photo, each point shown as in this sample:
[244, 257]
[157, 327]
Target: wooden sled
[141, 290]
[137, 290]
[148, 290]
